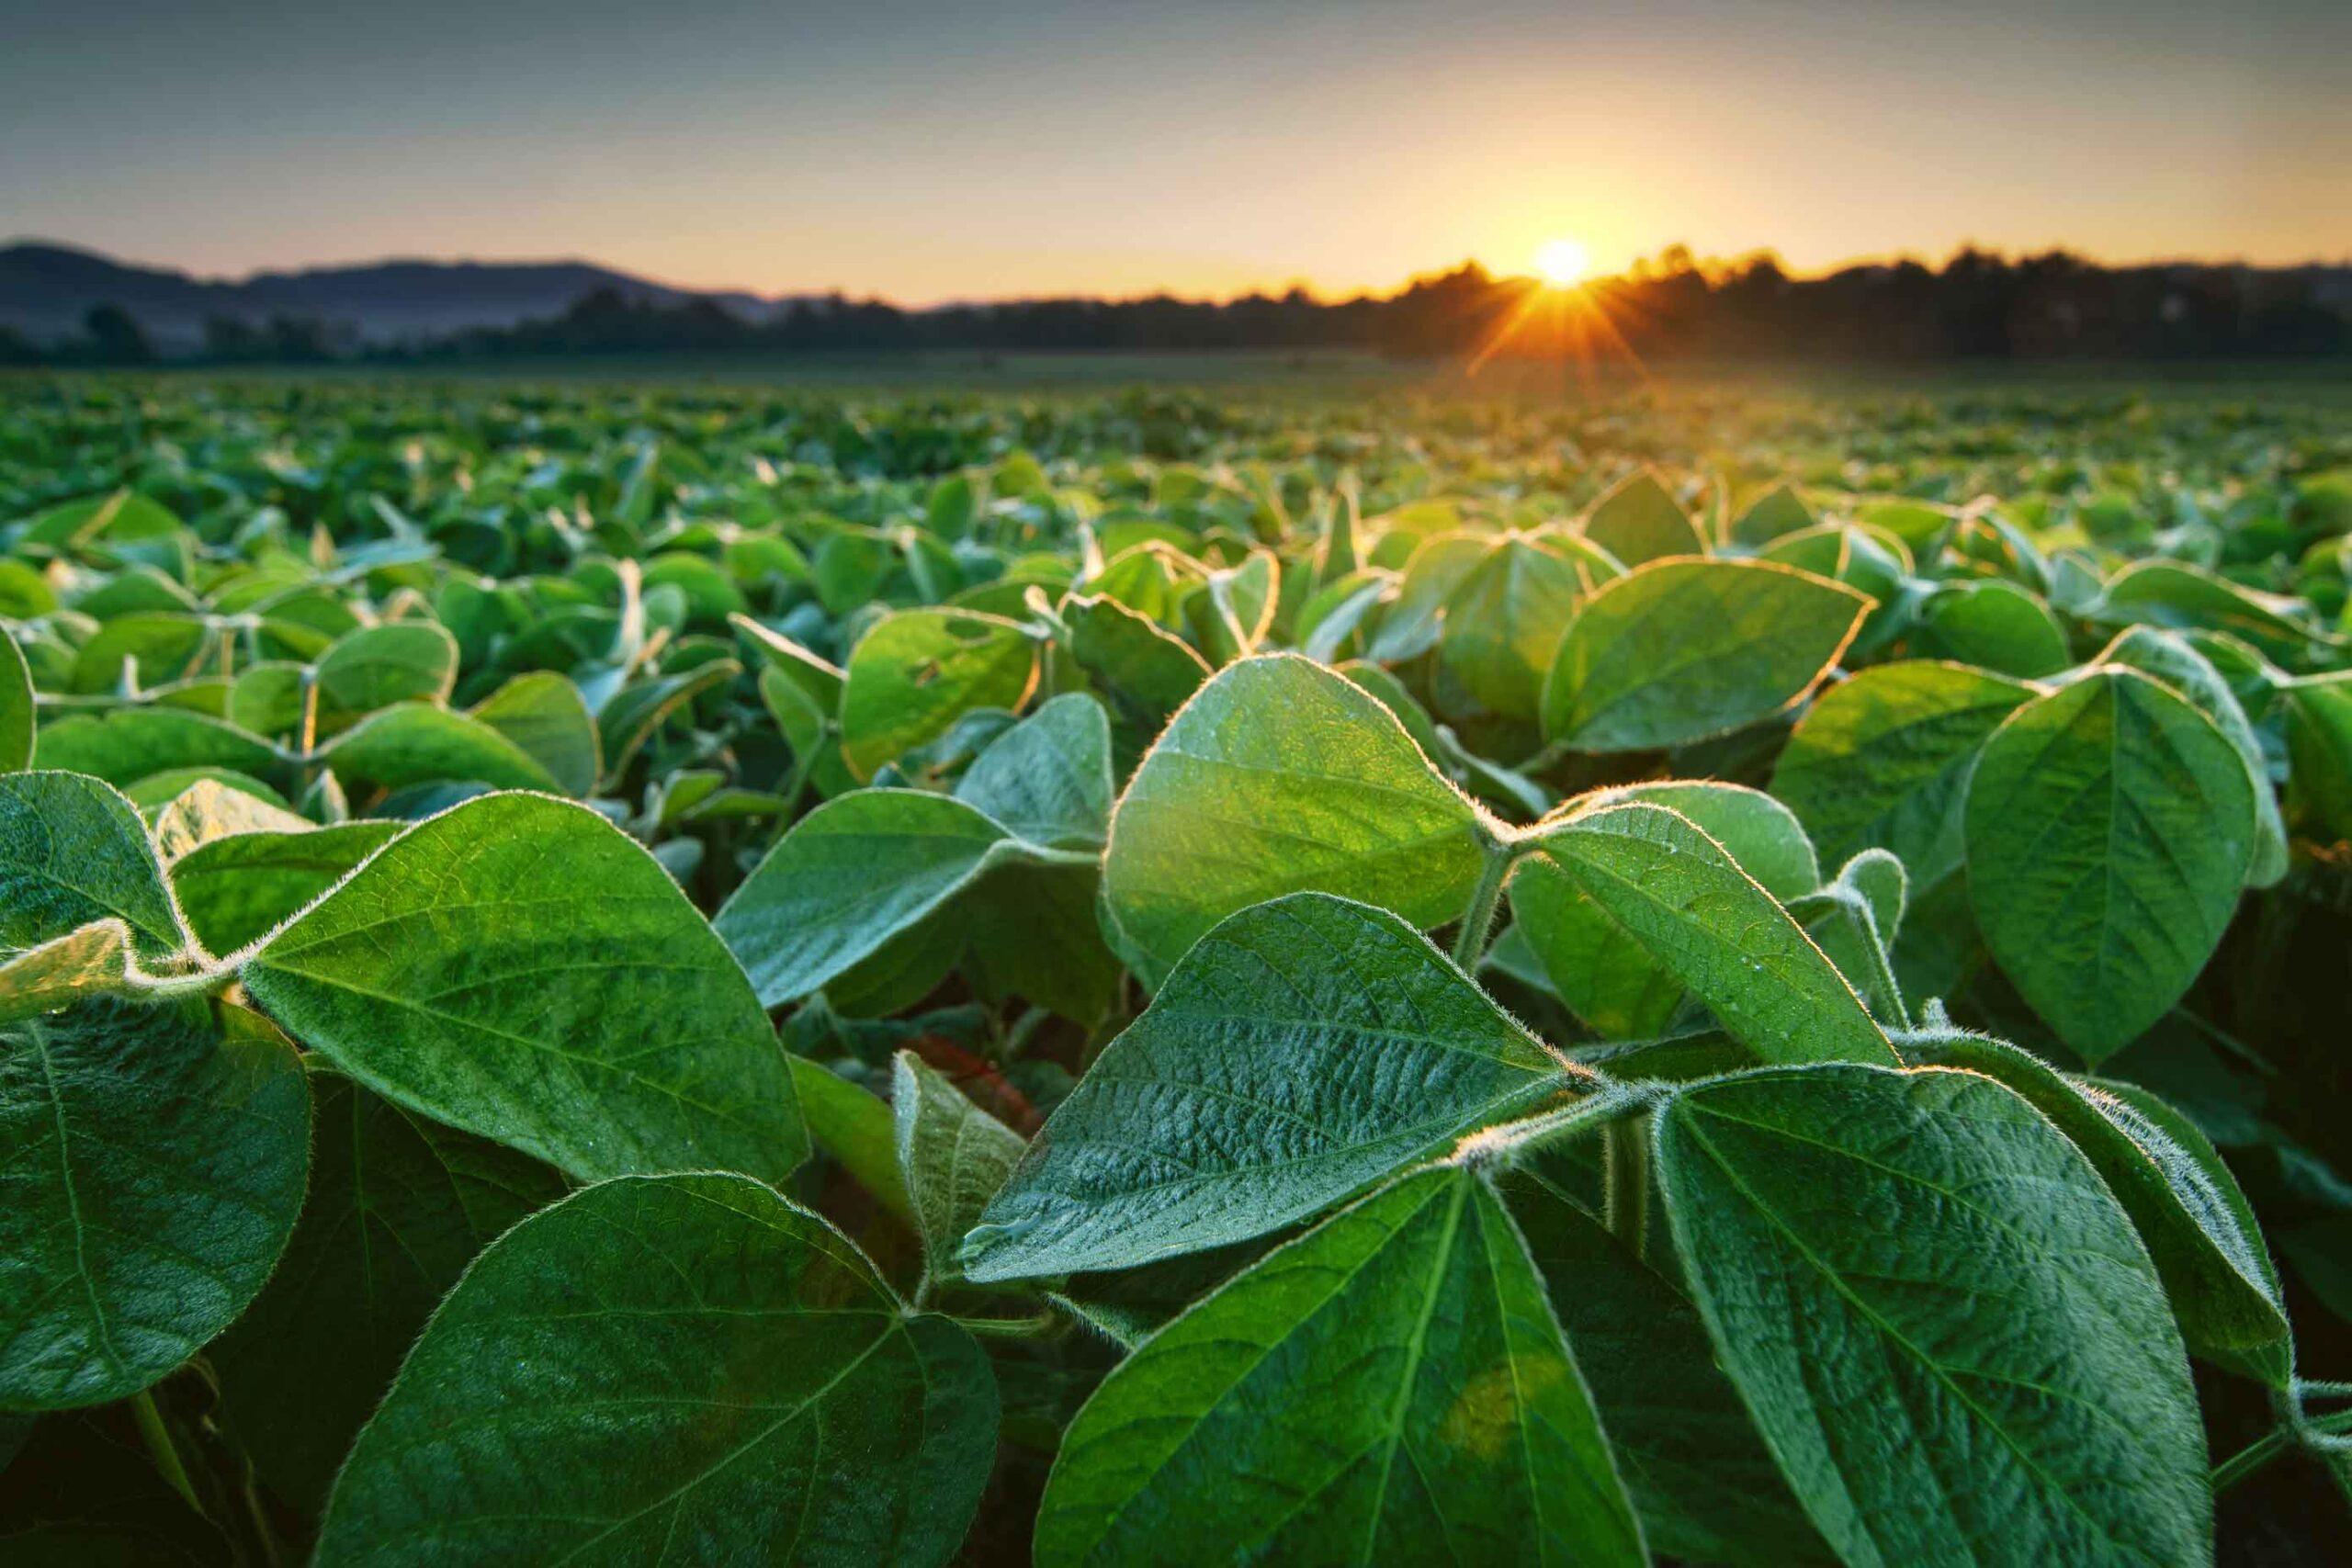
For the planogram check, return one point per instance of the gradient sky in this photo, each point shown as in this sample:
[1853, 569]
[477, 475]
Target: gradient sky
[927, 149]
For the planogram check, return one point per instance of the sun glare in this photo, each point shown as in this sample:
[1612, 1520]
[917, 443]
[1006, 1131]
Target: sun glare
[1563, 262]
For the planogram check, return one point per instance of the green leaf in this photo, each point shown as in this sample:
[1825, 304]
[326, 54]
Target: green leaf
[851, 876]
[1279, 776]
[1034, 932]
[2172, 593]
[1047, 779]
[1680, 650]
[2319, 747]
[2169, 658]
[94, 960]
[630, 718]
[16, 719]
[416, 744]
[518, 967]
[1391, 1387]
[684, 1367]
[1303, 1050]
[2109, 828]
[72, 851]
[1607, 977]
[1639, 521]
[375, 667]
[1940, 1320]
[1504, 622]
[150, 1170]
[1704, 1482]
[547, 720]
[235, 891]
[398, 1207]
[1854, 922]
[128, 744]
[1133, 658]
[918, 671]
[209, 809]
[856, 1129]
[1998, 627]
[2195, 1222]
[1709, 924]
[953, 1156]
[155, 647]
[1881, 760]
[1778, 511]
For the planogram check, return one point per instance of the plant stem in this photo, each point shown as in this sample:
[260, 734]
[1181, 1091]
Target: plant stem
[2251, 1458]
[158, 1444]
[1009, 1327]
[1478, 920]
[2294, 1431]
[1626, 1180]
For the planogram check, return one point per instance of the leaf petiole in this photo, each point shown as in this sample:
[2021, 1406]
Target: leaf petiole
[165, 1452]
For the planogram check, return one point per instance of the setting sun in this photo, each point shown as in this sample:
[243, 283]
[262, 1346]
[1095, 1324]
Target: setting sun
[1563, 262]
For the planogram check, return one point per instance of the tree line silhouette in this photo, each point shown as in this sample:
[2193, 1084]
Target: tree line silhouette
[1978, 306]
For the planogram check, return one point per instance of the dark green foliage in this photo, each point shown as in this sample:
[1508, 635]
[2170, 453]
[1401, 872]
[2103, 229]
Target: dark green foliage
[715, 976]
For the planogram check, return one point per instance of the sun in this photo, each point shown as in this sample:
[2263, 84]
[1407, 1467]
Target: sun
[1563, 262]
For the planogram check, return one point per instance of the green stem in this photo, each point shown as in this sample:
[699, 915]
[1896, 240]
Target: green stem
[1478, 920]
[1009, 1327]
[2251, 1458]
[1625, 1184]
[158, 1444]
[2294, 1431]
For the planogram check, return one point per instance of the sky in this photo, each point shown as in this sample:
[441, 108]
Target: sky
[926, 150]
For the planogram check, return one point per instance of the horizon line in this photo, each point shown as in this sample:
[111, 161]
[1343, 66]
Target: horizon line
[1705, 262]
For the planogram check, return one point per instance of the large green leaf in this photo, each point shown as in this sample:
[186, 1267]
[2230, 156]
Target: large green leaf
[1678, 650]
[1881, 760]
[1941, 1321]
[1391, 1387]
[73, 851]
[398, 1207]
[851, 876]
[2109, 828]
[1603, 972]
[2196, 1224]
[1705, 1483]
[917, 672]
[1279, 776]
[1302, 1051]
[1709, 924]
[518, 967]
[2168, 657]
[151, 1169]
[674, 1368]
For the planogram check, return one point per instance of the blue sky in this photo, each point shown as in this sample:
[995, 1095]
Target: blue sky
[925, 150]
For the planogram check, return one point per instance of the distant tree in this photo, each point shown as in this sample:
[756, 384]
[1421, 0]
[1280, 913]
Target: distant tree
[231, 340]
[116, 337]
